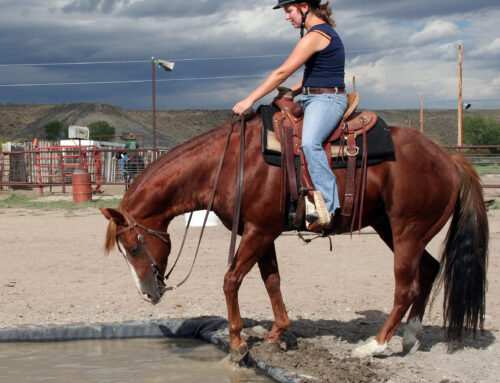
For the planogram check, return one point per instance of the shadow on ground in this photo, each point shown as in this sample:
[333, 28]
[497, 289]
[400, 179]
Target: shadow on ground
[367, 326]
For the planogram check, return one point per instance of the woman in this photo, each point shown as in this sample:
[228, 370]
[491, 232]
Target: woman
[324, 99]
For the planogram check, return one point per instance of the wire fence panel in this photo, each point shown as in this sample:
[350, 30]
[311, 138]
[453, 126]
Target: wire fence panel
[50, 164]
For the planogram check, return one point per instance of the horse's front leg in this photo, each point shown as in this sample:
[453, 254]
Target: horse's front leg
[268, 265]
[253, 244]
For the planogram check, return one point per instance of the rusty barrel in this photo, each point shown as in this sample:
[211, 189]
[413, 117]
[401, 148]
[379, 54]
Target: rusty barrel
[82, 186]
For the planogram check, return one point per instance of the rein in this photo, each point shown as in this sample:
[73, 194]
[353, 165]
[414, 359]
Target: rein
[164, 236]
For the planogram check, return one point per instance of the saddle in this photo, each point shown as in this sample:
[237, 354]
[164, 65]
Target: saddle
[287, 124]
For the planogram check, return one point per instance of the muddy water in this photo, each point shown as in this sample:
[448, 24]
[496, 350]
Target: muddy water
[119, 360]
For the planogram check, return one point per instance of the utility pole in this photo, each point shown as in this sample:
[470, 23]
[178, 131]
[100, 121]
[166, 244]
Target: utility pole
[460, 101]
[421, 113]
[354, 84]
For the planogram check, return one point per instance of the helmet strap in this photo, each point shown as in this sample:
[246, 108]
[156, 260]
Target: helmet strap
[303, 25]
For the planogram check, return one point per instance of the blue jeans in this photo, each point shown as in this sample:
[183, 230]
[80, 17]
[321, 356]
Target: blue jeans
[122, 163]
[322, 114]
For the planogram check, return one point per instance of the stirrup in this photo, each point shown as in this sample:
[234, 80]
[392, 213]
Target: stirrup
[319, 207]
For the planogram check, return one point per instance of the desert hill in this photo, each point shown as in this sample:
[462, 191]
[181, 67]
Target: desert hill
[176, 126]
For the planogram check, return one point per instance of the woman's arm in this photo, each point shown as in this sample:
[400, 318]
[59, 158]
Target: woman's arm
[304, 49]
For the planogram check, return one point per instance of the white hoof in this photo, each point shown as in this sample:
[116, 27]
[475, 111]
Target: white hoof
[410, 341]
[369, 349]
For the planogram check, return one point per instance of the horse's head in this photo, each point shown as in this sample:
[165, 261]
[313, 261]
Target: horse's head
[146, 251]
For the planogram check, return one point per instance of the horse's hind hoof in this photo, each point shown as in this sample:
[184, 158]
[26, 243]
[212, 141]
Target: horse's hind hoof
[239, 354]
[411, 347]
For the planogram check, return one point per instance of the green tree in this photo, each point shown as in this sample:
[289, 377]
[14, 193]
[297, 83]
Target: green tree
[101, 128]
[55, 130]
[481, 131]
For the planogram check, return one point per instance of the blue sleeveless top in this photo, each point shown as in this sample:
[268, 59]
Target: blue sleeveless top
[326, 68]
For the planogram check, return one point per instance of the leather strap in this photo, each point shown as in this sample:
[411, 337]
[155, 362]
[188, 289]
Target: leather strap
[209, 209]
[290, 163]
[351, 176]
[318, 90]
[360, 192]
[239, 191]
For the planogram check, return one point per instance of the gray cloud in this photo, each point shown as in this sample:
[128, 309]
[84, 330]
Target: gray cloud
[414, 10]
[90, 6]
[396, 49]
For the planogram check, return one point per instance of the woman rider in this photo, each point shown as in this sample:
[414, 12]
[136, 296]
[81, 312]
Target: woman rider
[324, 99]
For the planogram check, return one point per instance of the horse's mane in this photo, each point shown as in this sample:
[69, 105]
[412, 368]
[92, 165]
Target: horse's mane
[197, 141]
[110, 242]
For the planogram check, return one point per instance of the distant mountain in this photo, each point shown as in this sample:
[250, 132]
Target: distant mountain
[173, 127]
[177, 126]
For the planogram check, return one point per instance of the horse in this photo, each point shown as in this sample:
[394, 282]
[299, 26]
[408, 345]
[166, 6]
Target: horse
[408, 200]
[134, 165]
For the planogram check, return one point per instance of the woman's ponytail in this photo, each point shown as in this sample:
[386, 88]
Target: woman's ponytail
[324, 12]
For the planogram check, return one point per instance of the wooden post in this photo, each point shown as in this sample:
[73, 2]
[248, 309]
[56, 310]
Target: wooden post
[421, 113]
[460, 101]
[354, 84]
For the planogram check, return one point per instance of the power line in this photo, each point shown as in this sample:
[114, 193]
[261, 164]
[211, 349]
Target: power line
[130, 81]
[175, 60]
[139, 61]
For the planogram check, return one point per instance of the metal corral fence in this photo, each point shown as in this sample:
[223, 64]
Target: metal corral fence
[50, 164]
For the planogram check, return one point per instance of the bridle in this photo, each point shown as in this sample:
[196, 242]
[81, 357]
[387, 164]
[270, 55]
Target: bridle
[165, 237]
[141, 241]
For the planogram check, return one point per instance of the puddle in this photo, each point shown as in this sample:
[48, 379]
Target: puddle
[119, 360]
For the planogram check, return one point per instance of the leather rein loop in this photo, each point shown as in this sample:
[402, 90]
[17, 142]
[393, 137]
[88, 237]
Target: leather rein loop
[164, 236]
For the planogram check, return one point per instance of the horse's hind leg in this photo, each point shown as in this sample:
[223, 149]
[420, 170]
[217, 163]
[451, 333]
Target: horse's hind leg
[407, 255]
[428, 270]
[268, 266]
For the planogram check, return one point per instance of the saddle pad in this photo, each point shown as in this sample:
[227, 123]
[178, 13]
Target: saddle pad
[378, 141]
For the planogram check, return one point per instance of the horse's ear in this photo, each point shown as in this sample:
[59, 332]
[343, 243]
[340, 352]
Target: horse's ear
[113, 215]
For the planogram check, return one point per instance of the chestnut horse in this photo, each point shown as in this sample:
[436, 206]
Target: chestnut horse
[408, 200]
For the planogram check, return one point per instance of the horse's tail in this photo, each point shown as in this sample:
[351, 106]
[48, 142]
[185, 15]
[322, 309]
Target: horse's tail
[465, 257]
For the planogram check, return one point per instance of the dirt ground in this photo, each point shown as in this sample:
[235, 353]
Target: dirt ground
[54, 272]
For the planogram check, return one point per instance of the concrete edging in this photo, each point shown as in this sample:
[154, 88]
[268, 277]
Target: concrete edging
[209, 329]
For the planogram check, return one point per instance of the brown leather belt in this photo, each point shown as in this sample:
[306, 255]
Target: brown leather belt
[315, 90]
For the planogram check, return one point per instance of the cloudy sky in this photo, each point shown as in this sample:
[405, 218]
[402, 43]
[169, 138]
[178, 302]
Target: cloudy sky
[100, 51]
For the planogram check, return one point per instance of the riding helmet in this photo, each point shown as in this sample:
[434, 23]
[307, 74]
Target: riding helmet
[281, 3]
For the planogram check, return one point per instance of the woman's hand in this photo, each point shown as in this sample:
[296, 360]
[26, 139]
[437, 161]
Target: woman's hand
[242, 106]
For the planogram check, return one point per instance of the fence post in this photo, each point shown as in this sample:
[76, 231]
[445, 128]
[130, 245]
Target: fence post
[63, 176]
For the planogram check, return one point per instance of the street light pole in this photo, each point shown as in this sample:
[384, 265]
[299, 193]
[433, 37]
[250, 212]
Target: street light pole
[154, 106]
[168, 66]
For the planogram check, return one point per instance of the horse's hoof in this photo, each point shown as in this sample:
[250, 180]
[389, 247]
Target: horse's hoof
[411, 347]
[239, 354]
[410, 341]
[369, 349]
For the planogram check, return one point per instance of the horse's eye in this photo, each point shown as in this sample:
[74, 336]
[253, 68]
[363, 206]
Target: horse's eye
[134, 250]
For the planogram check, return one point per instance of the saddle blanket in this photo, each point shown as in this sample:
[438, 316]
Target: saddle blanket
[378, 141]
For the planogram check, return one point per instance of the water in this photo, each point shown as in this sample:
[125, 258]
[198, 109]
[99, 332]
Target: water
[119, 360]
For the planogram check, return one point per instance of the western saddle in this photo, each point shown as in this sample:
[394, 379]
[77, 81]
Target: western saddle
[287, 125]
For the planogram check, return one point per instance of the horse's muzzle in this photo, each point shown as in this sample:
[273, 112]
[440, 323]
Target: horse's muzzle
[151, 289]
